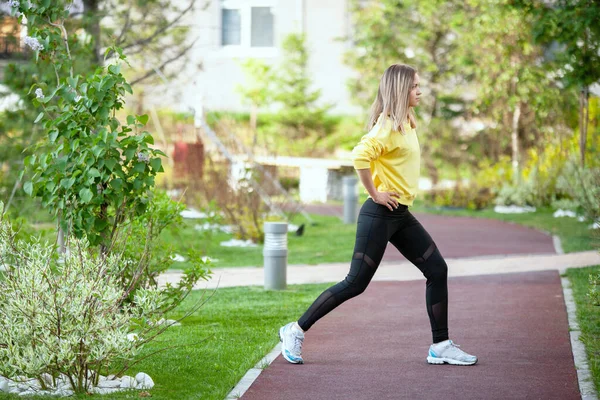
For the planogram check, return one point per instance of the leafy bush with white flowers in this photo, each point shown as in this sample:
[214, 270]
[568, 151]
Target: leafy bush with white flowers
[583, 186]
[74, 317]
[67, 317]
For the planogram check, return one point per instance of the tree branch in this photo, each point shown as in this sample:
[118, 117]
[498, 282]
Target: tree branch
[164, 64]
[160, 30]
[125, 28]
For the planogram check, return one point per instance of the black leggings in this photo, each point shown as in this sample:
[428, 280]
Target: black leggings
[377, 226]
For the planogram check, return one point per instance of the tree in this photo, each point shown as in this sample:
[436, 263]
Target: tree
[300, 113]
[152, 33]
[470, 65]
[258, 89]
[379, 40]
[509, 70]
[573, 25]
[418, 33]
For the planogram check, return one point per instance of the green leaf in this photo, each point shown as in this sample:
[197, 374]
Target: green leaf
[149, 181]
[104, 111]
[143, 119]
[28, 188]
[130, 120]
[100, 224]
[129, 153]
[114, 69]
[128, 88]
[148, 139]
[39, 117]
[73, 81]
[117, 184]
[93, 172]
[85, 195]
[137, 184]
[110, 163]
[67, 183]
[97, 150]
[114, 124]
[52, 136]
[155, 163]
[139, 167]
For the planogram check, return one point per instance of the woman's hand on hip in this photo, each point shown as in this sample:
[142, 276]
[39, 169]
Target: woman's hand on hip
[387, 199]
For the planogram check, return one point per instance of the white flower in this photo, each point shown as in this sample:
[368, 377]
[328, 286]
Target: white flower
[39, 93]
[133, 337]
[143, 157]
[13, 3]
[33, 43]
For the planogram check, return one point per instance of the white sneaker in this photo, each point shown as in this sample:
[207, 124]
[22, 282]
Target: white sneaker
[291, 347]
[448, 352]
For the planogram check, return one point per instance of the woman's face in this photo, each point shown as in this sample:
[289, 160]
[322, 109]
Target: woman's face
[414, 97]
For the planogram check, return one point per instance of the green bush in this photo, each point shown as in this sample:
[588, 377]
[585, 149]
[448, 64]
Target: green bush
[469, 197]
[522, 194]
[289, 183]
[67, 320]
[583, 187]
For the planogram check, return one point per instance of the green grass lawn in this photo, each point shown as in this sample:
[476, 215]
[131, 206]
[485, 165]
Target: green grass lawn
[329, 240]
[225, 338]
[588, 316]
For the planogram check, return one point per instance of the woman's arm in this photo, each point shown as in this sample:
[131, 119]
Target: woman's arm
[383, 198]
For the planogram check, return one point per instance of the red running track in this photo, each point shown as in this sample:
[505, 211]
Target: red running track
[375, 345]
[468, 237]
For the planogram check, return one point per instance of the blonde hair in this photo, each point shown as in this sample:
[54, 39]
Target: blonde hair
[392, 97]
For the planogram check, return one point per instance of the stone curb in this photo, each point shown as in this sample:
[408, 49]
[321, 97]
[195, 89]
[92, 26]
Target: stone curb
[584, 376]
[253, 373]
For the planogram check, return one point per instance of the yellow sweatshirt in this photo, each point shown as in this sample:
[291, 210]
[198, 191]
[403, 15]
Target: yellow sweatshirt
[393, 157]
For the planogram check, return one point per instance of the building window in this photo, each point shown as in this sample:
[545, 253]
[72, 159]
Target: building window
[247, 23]
[231, 29]
[262, 27]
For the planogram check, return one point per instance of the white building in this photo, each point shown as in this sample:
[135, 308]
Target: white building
[230, 31]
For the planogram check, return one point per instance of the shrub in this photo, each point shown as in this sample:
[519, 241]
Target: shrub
[67, 318]
[471, 197]
[289, 183]
[522, 194]
[583, 186]
[139, 239]
[241, 205]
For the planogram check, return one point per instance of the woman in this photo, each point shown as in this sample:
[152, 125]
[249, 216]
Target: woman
[387, 161]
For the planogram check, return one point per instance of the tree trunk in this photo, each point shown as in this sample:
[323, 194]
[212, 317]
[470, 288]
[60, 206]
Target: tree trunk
[253, 118]
[515, 142]
[62, 249]
[583, 122]
[91, 19]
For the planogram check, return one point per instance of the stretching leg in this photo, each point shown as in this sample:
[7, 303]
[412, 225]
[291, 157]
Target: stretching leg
[413, 241]
[371, 240]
